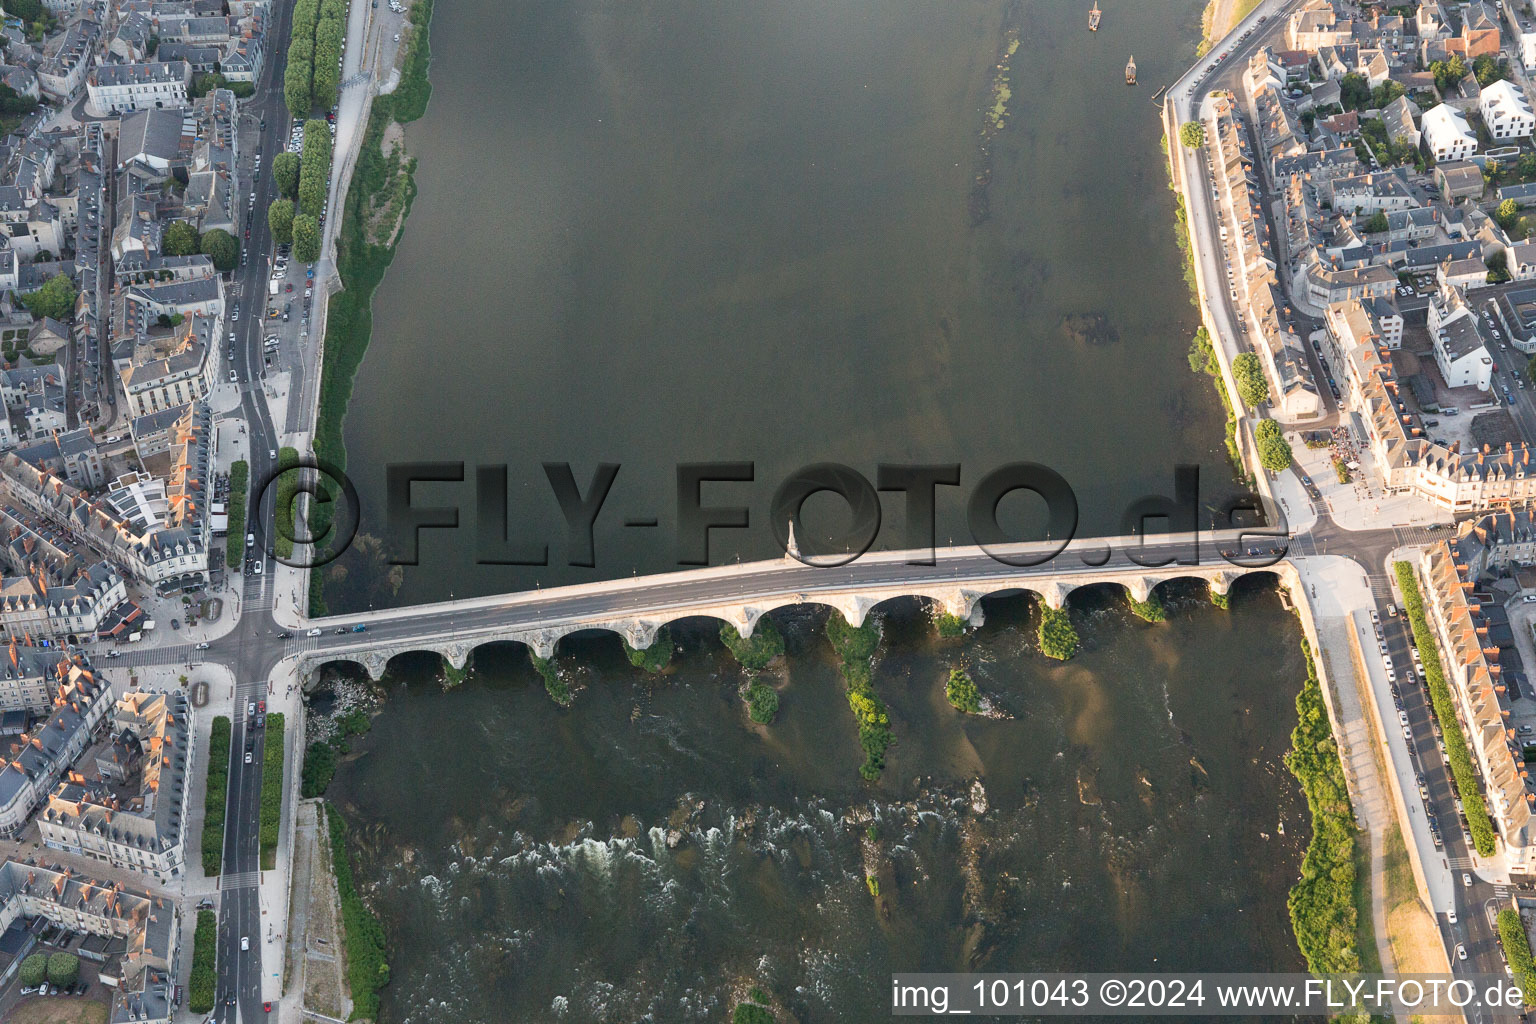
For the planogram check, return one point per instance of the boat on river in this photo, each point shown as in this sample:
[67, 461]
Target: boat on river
[1130, 71]
[1093, 17]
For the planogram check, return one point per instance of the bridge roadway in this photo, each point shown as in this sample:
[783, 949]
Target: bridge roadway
[740, 594]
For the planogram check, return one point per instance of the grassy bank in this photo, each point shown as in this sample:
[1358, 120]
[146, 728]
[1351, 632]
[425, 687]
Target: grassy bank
[381, 191]
[1440, 698]
[239, 482]
[1322, 902]
[367, 968]
[215, 796]
[271, 790]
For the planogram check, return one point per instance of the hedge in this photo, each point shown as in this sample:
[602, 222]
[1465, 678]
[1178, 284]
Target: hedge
[63, 969]
[297, 74]
[271, 790]
[200, 991]
[367, 968]
[239, 481]
[215, 796]
[283, 531]
[1517, 949]
[34, 970]
[1455, 741]
[1322, 902]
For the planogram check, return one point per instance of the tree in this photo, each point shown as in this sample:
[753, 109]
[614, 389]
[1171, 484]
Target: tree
[762, 703]
[1507, 213]
[961, 692]
[1498, 267]
[756, 651]
[56, 298]
[280, 220]
[63, 969]
[1057, 637]
[1251, 386]
[179, 239]
[1354, 91]
[1377, 223]
[1274, 450]
[1525, 167]
[1385, 93]
[34, 970]
[1448, 72]
[221, 245]
[1192, 134]
[654, 658]
[306, 238]
[1489, 69]
[285, 171]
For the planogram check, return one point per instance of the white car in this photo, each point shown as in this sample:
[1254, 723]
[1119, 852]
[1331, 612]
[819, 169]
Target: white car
[1402, 716]
[247, 761]
[203, 646]
[1450, 915]
[245, 940]
[1461, 951]
[1466, 879]
[314, 632]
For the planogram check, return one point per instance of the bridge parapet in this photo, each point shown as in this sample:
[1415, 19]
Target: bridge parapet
[455, 641]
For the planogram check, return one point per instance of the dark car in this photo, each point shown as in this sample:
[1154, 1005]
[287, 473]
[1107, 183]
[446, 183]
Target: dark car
[285, 635]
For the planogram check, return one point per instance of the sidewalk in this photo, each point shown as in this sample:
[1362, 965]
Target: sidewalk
[1341, 602]
[1360, 504]
[283, 695]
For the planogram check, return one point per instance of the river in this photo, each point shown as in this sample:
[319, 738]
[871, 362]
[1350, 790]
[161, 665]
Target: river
[1134, 806]
[660, 232]
[678, 231]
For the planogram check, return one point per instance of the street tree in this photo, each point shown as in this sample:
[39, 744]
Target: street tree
[1251, 386]
[280, 220]
[306, 238]
[1192, 134]
[222, 247]
[285, 171]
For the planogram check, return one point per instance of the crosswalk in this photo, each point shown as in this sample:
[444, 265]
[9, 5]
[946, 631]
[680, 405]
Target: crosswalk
[1461, 864]
[1501, 892]
[1381, 588]
[1415, 534]
[239, 880]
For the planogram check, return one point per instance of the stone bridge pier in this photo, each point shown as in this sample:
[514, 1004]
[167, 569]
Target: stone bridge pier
[961, 599]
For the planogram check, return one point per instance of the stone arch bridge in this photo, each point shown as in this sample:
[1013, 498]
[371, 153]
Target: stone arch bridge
[740, 595]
